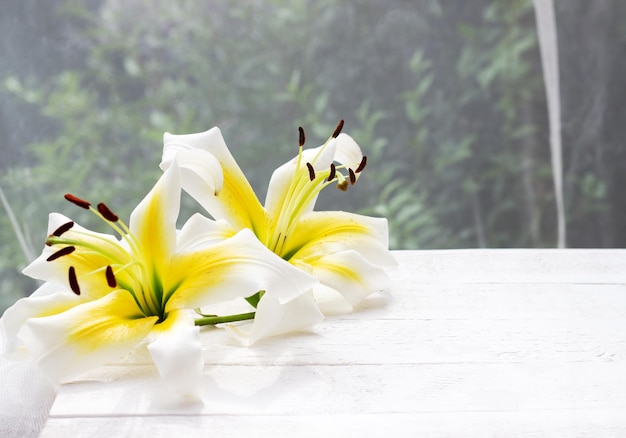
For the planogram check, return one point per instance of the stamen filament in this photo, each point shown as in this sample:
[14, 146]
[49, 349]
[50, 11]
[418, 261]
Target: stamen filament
[120, 228]
[85, 244]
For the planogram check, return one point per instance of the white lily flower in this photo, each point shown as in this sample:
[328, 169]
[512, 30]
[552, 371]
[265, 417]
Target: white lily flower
[345, 251]
[139, 289]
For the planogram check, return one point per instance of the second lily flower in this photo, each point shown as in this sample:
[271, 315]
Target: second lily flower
[346, 252]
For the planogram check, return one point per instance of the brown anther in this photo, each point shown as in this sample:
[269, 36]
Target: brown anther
[107, 213]
[62, 229]
[111, 281]
[73, 280]
[362, 165]
[60, 253]
[311, 171]
[343, 185]
[301, 136]
[333, 172]
[77, 201]
[338, 129]
[352, 176]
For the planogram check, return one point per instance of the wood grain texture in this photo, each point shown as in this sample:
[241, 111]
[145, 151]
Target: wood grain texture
[465, 343]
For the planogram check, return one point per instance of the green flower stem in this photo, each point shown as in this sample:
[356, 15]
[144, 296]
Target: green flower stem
[213, 320]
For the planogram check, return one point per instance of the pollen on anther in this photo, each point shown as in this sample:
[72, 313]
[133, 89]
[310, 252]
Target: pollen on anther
[301, 136]
[362, 165]
[73, 280]
[63, 229]
[107, 213]
[333, 172]
[311, 171]
[60, 253]
[111, 281]
[338, 129]
[352, 176]
[77, 201]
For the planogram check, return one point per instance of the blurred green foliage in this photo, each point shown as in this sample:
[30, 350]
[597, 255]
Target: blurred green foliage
[445, 97]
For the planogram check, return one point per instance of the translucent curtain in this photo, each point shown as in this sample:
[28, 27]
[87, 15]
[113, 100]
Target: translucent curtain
[546, 29]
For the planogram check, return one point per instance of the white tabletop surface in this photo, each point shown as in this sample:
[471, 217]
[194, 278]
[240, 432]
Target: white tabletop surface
[464, 343]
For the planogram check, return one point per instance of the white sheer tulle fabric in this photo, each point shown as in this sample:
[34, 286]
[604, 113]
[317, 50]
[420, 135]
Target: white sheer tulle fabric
[25, 395]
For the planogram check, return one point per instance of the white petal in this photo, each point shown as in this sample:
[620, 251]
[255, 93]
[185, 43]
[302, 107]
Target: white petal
[48, 299]
[273, 318]
[86, 336]
[235, 268]
[348, 151]
[41, 269]
[211, 141]
[201, 174]
[236, 201]
[350, 274]
[175, 348]
[320, 233]
[200, 232]
[153, 221]
[320, 157]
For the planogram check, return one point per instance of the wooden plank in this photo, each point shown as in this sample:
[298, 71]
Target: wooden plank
[347, 389]
[551, 423]
[582, 266]
[492, 301]
[483, 342]
[423, 341]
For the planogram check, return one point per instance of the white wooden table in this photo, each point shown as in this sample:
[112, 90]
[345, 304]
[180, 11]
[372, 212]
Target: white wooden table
[465, 343]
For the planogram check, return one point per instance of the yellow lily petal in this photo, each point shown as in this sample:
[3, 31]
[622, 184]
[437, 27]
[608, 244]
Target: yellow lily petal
[237, 267]
[343, 150]
[347, 272]
[278, 191]
[327, 232]
[88, 264]
[154, 220]
[86, 336]
[236, 201]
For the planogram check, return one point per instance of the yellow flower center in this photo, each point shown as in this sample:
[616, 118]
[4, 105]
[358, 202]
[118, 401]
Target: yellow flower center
[122, 267]
[303, 189]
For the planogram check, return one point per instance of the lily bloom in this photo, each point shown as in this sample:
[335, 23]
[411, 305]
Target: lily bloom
[346, 252]
[140, 288]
